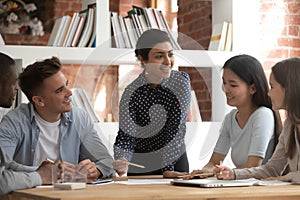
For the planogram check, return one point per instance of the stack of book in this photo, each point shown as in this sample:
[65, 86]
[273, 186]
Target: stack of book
[75, 30]
[126, 30]
[221, 37]
[80, 99]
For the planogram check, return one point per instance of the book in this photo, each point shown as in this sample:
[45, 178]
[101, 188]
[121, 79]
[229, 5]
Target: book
[167, 29]
[80, 99]
[119, 40]
[228, 41]
[142, 13]
[82, 18]
[218, 37]
[73, 29]
[142, 17]
[70, 27]
[70, 186]
[136, 22]
[158, 19]
[58, 31]
[131, 31]
[62, 34]
[93, 34]
[124, 33]
[88, 28]
[151, 18]
[57, 28]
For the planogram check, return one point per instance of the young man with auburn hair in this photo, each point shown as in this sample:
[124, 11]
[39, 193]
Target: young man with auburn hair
[48, 126]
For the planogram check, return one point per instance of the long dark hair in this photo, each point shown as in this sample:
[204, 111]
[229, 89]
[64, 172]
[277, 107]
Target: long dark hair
[287, 74]
[250, 70]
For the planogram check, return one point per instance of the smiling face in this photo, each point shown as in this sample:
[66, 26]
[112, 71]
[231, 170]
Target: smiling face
[160, 63]
[276, 93]
[54, 97]
[238, 92]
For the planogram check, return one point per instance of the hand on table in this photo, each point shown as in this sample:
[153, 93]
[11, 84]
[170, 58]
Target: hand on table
[173, 174]
[45, 172]
[224, 173]
[197, 173]
[90, 169]
[121, 166]
[278, 178]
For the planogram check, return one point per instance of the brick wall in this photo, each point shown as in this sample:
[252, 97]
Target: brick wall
[279, 40]
[194, 26]
[279, 30]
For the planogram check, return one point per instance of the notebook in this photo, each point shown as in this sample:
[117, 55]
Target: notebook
[212, 183]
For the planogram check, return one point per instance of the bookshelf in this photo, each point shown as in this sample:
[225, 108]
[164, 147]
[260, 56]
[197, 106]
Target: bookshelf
[197, 144]
[105, 55]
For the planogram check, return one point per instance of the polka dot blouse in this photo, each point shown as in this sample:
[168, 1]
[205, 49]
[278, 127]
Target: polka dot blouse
[152, 121]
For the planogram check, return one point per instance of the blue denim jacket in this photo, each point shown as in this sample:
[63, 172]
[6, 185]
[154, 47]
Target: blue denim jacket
[79, 140]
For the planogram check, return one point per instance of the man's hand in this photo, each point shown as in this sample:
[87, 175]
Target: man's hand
[45, 171]
[90, 168]
[121, 166]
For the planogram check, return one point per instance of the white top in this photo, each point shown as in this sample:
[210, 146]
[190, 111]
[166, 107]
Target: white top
[48, 144]
[252, 140]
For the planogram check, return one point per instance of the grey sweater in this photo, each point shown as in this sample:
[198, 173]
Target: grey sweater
[277, 163]
[14, 176]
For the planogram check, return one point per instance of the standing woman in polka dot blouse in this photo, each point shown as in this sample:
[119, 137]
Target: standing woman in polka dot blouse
[153, 113]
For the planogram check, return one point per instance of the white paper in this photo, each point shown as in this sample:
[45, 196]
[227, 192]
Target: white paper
[144, 181]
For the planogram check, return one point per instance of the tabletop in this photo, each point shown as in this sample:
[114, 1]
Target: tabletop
[160, 191]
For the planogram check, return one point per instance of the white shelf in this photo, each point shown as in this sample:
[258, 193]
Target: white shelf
[113, 56]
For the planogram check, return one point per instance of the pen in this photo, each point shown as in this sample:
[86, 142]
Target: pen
[136, 165]
[50, 161]
[221, 162]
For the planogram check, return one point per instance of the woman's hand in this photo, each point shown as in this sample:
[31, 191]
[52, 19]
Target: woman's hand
[278, 178]
[225, 173]
[173, 174]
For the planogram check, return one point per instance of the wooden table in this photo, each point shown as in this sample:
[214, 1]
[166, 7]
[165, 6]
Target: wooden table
[160, 191]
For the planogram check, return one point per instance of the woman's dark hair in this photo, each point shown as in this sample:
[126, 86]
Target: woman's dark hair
[250, 70]
[31, 79]
[287, 74]
[148, 40]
